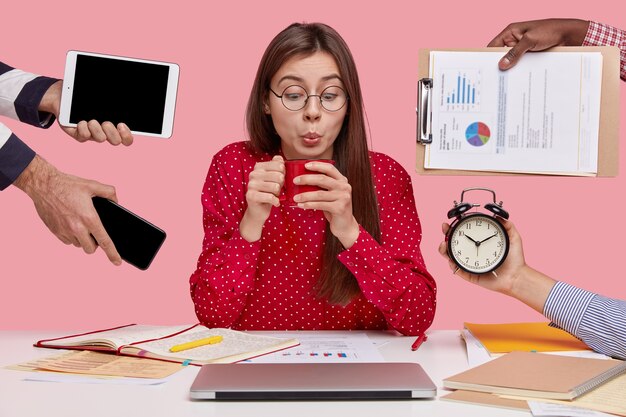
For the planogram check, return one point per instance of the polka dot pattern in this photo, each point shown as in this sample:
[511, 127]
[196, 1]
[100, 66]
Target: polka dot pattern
[268, 285]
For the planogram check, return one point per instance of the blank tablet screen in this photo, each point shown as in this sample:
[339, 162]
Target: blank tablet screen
[120, 91]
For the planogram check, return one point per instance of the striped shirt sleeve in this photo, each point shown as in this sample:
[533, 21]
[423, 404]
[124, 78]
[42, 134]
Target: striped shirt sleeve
[20, 95]
[15, 156]
[600, 34]
[598, 321]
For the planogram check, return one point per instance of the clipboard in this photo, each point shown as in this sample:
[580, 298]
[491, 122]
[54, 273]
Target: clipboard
[608, 135]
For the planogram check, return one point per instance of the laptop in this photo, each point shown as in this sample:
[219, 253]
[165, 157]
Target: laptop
[312, 381]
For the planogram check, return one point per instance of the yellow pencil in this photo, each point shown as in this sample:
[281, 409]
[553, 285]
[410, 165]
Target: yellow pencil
[197, 343]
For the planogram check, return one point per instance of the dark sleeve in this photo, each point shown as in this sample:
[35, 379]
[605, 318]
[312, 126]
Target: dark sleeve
[25, 91]
[20, 95]
[15, 156]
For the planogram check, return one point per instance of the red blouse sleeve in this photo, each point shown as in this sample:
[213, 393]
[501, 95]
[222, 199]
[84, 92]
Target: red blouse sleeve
[227, 264]
[392, 275]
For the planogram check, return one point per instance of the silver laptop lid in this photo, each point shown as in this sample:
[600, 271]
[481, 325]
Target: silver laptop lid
[312, 381]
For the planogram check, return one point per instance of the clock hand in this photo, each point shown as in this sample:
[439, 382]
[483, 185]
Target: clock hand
[477, 243]
[484, 240]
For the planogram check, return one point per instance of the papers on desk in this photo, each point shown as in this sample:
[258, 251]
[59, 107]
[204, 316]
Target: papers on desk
[608, 397]
[95, 367]
[324, 348]
[539, 409]
[85, 379]
[476, 352]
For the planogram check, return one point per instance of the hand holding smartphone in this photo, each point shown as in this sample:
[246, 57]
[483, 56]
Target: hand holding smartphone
[136, 240]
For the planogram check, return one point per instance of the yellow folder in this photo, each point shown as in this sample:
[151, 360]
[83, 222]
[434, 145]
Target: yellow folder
[539, 337]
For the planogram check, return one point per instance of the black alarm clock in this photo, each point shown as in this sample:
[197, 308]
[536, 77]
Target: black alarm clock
[477, 242]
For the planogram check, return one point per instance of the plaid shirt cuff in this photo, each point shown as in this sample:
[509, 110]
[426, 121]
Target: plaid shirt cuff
[600, 34]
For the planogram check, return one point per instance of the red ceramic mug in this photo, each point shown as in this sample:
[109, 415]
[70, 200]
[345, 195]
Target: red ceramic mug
[294, 168]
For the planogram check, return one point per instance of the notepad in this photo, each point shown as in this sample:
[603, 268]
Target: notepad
[537, 375]
[155, 342]
[538, 337]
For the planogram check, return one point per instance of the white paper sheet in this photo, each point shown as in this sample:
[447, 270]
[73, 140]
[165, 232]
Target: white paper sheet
[476, 352]
[80, 379]
[325, 348]
[580, 354]
[540, 409]
[541, 116]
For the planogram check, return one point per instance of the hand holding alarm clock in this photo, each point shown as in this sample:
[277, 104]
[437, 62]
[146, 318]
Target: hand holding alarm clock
[477, 235]
[477, 242]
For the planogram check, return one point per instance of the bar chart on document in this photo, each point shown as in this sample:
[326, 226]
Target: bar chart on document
[325, 348]
[461, 90]
[461, 94]
[464, 123]
[542, 116]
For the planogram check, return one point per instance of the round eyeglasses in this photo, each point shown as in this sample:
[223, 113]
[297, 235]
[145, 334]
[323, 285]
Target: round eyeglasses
[295, 98]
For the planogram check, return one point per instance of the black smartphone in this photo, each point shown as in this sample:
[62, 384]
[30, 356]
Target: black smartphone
[136, 240]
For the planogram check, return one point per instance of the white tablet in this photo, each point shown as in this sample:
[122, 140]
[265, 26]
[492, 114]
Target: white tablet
[138, 92]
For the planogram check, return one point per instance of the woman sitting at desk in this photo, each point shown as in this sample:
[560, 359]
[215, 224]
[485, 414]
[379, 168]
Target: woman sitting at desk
[348, 256]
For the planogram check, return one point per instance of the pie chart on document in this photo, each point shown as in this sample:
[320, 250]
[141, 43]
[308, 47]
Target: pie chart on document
[477, 134]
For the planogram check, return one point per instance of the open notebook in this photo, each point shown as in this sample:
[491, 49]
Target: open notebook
[155, 342]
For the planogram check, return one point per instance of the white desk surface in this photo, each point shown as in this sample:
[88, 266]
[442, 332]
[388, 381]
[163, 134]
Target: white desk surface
[441, 356]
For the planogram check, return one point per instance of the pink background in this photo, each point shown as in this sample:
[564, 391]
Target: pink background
[572, 227]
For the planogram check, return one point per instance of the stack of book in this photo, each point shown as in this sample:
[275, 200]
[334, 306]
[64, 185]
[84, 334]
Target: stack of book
[511, 377]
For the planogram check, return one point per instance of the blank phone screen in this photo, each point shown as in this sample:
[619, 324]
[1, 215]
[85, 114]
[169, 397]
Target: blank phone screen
[136, 240]
[115, 90]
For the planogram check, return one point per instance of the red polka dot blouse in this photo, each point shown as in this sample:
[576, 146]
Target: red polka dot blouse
[268, 284]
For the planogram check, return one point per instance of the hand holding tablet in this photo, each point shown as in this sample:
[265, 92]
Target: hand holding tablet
[85, 131]
[117, 91]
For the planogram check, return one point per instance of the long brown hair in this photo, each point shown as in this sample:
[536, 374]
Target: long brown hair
[350, 152]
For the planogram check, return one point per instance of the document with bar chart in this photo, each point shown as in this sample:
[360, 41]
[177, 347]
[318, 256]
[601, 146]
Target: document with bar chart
[541, 116]
[316, 347]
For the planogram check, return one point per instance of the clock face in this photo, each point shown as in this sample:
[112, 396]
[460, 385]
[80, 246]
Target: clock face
[478, 243]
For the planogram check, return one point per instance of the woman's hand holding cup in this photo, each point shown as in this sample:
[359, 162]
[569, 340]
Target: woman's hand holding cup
[264, 185]
[334, 198]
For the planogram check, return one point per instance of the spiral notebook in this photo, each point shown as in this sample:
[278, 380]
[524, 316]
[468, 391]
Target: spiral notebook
[537, 375]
